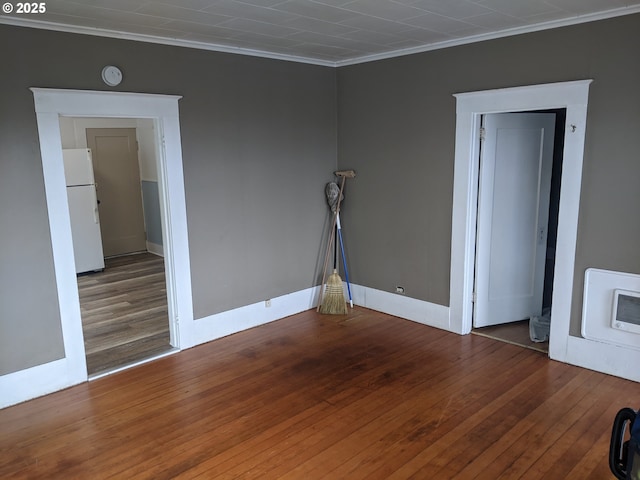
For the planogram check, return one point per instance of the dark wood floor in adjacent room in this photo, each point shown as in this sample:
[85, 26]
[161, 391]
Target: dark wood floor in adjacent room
[360, 396]
[516, 333]
[124, 312]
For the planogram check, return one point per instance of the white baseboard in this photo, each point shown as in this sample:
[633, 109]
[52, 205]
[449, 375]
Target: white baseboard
[36, 381]
[616, 360]
[155, 249]
[43, 379]
[233, 321]
[427, 313]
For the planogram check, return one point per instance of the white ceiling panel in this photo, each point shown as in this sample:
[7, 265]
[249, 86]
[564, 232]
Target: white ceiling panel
[495, 21]
[264, 28]
[258, 13]
[318, 26]
[587, 6]
[201, 29]
[319, 11]
[164, 12]
[384, 9]
[438, 23]
[457, 9]
[519, 9]
[375, 38]
[326, 32]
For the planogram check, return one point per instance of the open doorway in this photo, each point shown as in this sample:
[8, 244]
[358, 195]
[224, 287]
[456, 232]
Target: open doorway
[50, 105]
[572, 96]
[519, 179]
[123, 306]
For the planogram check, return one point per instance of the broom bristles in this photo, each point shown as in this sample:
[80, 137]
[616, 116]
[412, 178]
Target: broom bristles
[333, 302]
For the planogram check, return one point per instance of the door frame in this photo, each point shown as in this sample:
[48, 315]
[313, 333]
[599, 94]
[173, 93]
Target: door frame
[573, 96]
[50, 104]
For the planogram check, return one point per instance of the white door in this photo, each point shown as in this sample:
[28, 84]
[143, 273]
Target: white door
[513, 212]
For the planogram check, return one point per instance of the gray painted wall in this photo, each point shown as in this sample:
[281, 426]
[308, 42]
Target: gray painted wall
[259, 144]
[151, 209]
[396, 129]
[30, 331]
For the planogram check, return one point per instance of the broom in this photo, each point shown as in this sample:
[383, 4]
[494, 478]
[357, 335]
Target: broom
[333, 301]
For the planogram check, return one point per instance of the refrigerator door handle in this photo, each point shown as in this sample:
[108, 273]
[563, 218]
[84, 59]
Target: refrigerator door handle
[96, 215]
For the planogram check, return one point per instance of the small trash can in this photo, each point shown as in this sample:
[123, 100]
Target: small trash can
[539, 327]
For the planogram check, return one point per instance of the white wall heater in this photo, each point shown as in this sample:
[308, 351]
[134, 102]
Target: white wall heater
[611, 307]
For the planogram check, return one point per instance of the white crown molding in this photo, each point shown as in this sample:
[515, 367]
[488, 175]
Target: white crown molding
[592, 17]
[175, 42]
[24, 22]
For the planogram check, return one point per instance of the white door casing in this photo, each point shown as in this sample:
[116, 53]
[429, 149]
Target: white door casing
[50, 104]
[573, 96]
[513, 213]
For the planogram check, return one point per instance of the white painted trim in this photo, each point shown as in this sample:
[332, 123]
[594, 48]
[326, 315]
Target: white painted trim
[603, 357]
[249, 316]
[599, 356]
[36, 381]
[101, 32]
[155, 249]
[232, 321]
[592, 17]
[176, 42]
[402, 306]
[49, 105]
[574, 97]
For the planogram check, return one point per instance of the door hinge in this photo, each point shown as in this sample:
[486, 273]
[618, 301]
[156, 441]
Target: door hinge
[483, 133]
[474, 297]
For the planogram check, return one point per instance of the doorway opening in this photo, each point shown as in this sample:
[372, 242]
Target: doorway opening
[520, 165]
[162, 110]
[573, 96]
[124, 305]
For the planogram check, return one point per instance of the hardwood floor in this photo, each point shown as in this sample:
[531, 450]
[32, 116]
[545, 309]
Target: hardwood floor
[359, 396]
[124, 312]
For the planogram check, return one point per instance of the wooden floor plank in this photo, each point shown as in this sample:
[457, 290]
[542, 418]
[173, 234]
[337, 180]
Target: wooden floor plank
[403, 436]
[312, 396]
[124, 312]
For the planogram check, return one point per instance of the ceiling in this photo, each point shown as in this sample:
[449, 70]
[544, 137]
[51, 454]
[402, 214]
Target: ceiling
[325, 32]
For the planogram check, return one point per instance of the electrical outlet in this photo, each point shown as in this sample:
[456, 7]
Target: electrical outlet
[267, 303]
[400, 290]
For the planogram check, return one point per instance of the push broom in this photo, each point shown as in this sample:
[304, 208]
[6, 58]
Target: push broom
[333, 301]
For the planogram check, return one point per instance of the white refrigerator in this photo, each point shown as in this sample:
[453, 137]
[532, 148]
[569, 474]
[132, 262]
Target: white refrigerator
[83, 210]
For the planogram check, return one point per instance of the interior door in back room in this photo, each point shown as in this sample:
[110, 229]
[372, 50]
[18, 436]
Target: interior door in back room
[117, 172]
[513, 213]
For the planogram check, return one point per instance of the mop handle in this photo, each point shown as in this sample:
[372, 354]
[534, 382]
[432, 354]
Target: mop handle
[344, 259]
